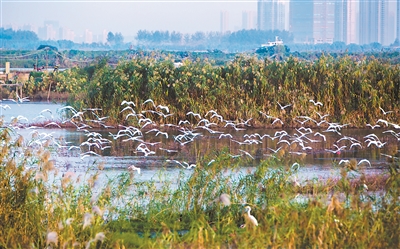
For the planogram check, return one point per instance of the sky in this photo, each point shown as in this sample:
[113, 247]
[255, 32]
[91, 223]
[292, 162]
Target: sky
[127, 17]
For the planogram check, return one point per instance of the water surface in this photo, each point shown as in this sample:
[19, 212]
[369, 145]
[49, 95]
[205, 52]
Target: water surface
[70, 146]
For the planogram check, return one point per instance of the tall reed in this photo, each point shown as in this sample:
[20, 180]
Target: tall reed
[203, 207]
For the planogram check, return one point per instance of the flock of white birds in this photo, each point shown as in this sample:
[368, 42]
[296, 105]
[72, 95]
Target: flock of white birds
[148, 137]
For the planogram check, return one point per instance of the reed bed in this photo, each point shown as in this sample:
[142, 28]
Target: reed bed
[42, 207]
[352, 88]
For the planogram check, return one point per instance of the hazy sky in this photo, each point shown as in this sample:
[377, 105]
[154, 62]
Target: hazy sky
[127, 16]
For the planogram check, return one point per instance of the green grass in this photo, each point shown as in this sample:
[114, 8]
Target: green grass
[185, 212]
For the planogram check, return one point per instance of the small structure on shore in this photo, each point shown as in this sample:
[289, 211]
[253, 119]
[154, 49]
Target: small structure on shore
[274, 43]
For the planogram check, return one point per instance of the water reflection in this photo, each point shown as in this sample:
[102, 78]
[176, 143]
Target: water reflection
[30, 110]
[251, 145]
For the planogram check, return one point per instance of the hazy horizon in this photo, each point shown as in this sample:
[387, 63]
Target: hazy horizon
[126, 17]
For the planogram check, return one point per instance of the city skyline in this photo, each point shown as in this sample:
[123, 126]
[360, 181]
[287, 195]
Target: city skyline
[313, 21]
[126, 17]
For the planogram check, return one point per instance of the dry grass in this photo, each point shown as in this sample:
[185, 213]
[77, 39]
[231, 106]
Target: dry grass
[41, 207]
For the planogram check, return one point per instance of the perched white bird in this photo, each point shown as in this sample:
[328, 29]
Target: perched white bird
[250, 220]
[133, 168]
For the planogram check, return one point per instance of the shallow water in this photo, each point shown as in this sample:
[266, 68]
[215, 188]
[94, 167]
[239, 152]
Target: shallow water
[316, 162]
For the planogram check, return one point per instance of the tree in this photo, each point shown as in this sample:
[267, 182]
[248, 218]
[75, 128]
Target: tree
[110, 37]
[176, 37]
[118, 38]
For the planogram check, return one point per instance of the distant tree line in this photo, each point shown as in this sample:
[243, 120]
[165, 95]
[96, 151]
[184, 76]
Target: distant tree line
[232, 41]
[28, 40]
[19, 35]
[117, 39]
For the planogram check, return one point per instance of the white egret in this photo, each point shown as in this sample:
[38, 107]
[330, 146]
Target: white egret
[45, 110]
[246, 153]
[168, 150]
[53, 123]
[225, 135]
[355, 144]
[283, 107]
[250, 220]
[149, 101]
[321, 135]
[163, 107]
[133, 168]
[364, 161]
[373, 126]
[322, 116]
[127, 103]
[5, 106]
[275, 151]
[194, 114]
[52, 237]
[345, 161]
[385, 112]
[316, 103]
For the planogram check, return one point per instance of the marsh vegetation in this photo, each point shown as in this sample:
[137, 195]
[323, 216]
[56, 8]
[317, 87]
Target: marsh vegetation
[41, 206]
[352, 88]
[207, 205]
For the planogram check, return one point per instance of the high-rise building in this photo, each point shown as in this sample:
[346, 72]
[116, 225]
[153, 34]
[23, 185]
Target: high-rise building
[249, 20]
[264, 10]
[88, 36]
[369, 20]
[390, 36]
[66, 34]
[398, 21]
[340, 20]
[224, 21]
[301, 20]
[49, 31]
[383, 14]
[323, 21]
[352, 20]
[388, 21]
[326, 21]
[273, 15]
